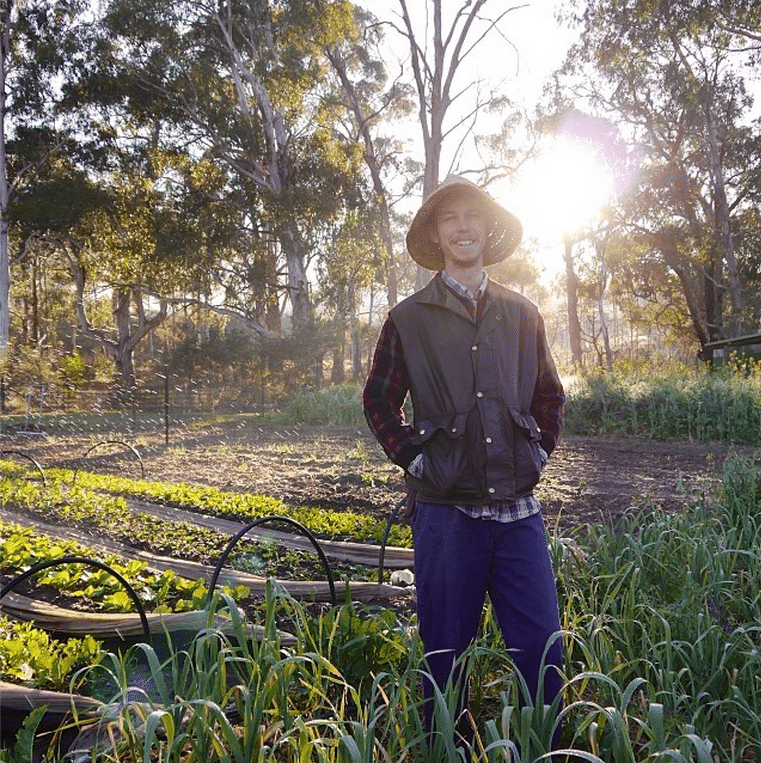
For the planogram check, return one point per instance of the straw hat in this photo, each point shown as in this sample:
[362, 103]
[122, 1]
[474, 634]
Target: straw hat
[503, 239]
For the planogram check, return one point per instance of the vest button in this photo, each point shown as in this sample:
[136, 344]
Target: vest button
[422, 431]
[488, 440]
[491, 490]
[479, 394]
[454, 430]
[474, 347]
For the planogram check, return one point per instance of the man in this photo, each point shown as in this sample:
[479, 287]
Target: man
[488, 411]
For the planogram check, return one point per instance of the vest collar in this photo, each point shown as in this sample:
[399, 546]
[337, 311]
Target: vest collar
[436, 292]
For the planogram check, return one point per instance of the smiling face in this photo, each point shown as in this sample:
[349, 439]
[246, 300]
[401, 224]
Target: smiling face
[461, 230]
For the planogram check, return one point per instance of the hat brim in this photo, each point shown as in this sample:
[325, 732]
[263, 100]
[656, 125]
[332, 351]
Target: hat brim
[503, 239]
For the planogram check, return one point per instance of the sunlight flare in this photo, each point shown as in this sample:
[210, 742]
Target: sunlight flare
[563, 190]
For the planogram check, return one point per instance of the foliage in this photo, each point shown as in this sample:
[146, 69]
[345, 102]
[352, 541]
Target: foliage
[655, 671]
[333, 405]
[323, 522]
[660, 619]
[22, 548]
[668, 600]
[679, 402]
[31, 657]
[671, 76]
[109, 516]
[660, 616]
[703, 406]
[24, 748]
[360, 643]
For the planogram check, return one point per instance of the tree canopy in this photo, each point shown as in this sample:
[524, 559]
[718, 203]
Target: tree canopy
[260, 161]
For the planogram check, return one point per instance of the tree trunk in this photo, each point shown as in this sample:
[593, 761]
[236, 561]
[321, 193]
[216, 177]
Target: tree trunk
[671, 256]
[128, 330]
[121, 350]
[273, 319]
[572, 298]
[722, 225]
[600, 248]
[338, 370]
[298, 290]
[37, 287]
[5, 274]
[273, 174]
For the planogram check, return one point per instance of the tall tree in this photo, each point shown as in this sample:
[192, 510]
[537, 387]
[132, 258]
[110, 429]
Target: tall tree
[114, 256]
[41, 41]
[366, 102]
[241, 81]
[671, 73]
[439, 53]
[34, 42]
[5, 275]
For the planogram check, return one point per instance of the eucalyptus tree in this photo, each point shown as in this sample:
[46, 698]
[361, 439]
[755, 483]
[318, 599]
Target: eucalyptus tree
[45, 184]
[36, 45]
[240, 82]
[5, 44]
[674, 76]
[367, 106]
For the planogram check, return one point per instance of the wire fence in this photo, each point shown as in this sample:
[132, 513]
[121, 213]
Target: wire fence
[104, 409]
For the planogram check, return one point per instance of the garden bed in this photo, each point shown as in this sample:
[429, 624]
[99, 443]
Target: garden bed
[588, 479]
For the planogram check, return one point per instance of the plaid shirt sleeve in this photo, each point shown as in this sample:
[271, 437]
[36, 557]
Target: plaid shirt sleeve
[383, 397]
[547, 406]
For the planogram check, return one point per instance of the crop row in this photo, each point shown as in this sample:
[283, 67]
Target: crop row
[32, 657]
[662, 643]
[22, 548]
[107, 514]
[322, 522]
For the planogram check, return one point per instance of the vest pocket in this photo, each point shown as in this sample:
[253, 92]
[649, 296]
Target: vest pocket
[528, 459]
[447, 463]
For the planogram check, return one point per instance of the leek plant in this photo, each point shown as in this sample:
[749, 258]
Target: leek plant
[661, 624]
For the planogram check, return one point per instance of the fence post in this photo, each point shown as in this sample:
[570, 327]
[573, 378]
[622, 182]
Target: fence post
[166, 404]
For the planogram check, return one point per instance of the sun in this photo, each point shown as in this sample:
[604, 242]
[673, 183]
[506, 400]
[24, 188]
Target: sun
[559, 193]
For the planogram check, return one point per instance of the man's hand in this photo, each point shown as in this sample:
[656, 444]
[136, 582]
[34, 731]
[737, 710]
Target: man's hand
[408, 508]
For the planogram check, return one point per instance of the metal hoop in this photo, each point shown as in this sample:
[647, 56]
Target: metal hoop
[25, 455]
[92, 563]
[260, 521]
[112, 442]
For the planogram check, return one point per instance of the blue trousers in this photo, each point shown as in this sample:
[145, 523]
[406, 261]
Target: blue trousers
[458, 561]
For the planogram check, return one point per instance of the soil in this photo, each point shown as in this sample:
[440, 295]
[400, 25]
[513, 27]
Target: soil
[588, 480]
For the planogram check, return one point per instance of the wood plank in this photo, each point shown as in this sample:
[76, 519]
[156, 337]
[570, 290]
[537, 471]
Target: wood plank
[23, 699]
[107, 625]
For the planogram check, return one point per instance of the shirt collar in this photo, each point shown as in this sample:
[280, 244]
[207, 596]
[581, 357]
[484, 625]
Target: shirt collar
[464, 291]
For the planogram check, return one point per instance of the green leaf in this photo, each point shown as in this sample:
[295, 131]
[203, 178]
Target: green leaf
[23, 749]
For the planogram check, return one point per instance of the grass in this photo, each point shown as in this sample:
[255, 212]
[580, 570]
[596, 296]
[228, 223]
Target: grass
[687, 403]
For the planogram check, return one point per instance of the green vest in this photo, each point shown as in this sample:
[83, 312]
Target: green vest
[472, 387]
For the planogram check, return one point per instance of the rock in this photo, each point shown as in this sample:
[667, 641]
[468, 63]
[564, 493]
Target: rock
[402, 578]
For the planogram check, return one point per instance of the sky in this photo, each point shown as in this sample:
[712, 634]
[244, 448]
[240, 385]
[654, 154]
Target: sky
[548, 198]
